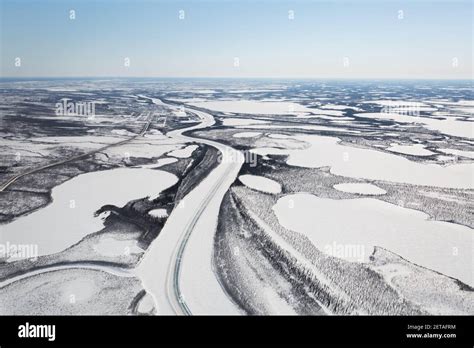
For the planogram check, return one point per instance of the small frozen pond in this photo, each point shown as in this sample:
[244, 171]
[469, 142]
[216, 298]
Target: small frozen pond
[246, 134]
[183, 153]
[468, 154]
[260, 183]
[241, 121]
[360, 188]
[415, 149]
[160, 163]
[159, 213]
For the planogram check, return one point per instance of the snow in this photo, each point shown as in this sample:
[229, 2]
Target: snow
[443, 296]
[398, 103]
[254, 107]
[414, 149]
[123, 132]
[85, 141]
[146, 147]
[369, 222]
[340, 107]
[301, 258]
[461, 153]
[305, 127]
[246, 134]
[241, 121]
[161, 162]
[115, 247]
[326, 112]
[193, 220]
[464, 110]
[189, 100]
[205, 91]
[75, 202]
[360, 188]
[160, 213]
[449, 126]
[278, 305]
[146, 304]
[260, 183]
[278, 136]
[371, 164]
[152, 133]
[183, 153]
[252, 90]
[179, 113]
[81, 289]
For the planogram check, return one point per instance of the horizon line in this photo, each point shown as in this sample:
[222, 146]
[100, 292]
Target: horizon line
[242, 78]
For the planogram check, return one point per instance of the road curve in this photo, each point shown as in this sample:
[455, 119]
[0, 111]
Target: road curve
[117, 271]
[123, 272]
[177, 267]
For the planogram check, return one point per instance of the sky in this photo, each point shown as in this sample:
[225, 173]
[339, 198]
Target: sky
[237, 38]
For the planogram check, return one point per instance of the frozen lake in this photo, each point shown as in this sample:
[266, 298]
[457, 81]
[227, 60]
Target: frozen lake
[371, 164]
[367, 222]
[70, 216]
[260, 183]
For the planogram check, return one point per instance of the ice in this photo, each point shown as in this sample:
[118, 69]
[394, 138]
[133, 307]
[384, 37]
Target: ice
[183, 153]
[241, 121]
[70, 216]
[371, 164]
[360, 188]
[254, 107]
[415, 149]
[246, 134]
[260, 183]
[368, 222]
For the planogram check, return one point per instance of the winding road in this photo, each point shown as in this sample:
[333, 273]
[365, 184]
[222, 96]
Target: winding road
[177, 267]
[114, 270]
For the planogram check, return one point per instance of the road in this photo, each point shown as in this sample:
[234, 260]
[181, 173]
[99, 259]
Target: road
[177, 267]
[6, 184]
[123, 272]
[117, 271]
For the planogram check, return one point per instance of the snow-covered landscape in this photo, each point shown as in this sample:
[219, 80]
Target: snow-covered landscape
[239, 198]
[197, 172]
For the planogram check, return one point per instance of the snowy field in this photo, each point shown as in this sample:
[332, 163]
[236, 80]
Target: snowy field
[239, 197]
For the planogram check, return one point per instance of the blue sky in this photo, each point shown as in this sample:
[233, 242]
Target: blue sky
[367, 35]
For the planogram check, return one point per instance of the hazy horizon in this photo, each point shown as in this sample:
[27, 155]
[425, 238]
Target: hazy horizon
[427, 40]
